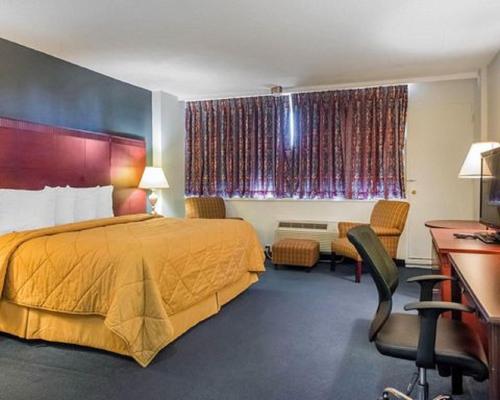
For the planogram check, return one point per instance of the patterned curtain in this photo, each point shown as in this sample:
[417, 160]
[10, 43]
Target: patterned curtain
[343, 144]
[237, 147]
[349, 144]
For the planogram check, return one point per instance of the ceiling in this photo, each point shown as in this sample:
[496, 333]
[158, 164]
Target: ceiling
[204, 48]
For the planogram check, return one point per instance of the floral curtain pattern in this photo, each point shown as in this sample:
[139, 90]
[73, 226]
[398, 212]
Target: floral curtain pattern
[342, 144]
[350, 143]
[236, 147]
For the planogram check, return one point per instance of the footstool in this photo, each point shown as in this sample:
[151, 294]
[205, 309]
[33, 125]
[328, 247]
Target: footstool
[298, 252]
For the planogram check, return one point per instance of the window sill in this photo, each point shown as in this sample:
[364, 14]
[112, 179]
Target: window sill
[302, 200]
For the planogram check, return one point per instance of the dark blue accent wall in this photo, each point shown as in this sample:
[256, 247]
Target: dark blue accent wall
[40, 88]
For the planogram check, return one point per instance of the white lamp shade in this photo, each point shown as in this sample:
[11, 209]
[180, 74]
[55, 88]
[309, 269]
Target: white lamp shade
[153, 178]
[471, 168]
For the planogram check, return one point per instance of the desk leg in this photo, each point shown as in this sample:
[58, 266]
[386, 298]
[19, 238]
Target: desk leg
[456, 373]
[494, 360]
[445, 269]
[456, 296]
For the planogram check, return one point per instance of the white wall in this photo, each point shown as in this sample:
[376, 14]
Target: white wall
[494, 99]
[168, 150]
[264, 214]
[443, 110]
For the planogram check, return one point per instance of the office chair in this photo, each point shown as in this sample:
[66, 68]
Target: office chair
[425, 338]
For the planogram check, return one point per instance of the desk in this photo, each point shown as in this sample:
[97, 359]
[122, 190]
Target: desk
[455, 224]
[479, 277]
[444, 244]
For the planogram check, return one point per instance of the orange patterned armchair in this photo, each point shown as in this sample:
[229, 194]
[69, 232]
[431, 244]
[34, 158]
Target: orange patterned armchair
[205, 207]
[388, 220]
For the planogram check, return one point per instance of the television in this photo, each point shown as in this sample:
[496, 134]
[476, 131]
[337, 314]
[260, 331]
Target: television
[489, 214]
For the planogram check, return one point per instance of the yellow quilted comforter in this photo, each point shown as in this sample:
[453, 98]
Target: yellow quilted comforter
[134, 271]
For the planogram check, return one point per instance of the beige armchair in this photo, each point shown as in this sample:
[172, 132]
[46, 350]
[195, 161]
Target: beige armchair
[388, 220]
[206, 207]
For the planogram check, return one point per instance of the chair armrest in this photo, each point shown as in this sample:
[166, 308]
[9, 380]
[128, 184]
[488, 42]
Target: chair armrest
[436, 278]
[427, 283]
[384, 231]
[344, 227]
[437, 306]
[429, 312]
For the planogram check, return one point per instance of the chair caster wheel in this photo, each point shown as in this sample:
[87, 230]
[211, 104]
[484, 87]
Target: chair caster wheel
[396, 394]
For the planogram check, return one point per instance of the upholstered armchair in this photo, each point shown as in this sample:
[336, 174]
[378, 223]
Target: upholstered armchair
[205, 207]
[388, 220]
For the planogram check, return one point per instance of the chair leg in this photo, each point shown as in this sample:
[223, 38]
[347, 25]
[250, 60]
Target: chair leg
[359, 270]
[394, 393]
[456, 381]
[422, 385]
[332, 262]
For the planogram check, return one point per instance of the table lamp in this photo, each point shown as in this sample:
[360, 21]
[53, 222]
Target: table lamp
[471, 168]
[153, 178]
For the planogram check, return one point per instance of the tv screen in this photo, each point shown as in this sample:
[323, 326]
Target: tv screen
[490, 189]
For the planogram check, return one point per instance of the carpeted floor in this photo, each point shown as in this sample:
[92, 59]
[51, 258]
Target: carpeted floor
[292, 336]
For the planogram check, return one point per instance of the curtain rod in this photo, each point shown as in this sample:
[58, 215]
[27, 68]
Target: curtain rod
[340, 86]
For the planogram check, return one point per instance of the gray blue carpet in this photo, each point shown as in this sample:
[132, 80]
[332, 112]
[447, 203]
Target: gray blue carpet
[292, 336]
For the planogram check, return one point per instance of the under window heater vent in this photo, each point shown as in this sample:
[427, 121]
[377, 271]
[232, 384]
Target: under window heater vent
[322, 231]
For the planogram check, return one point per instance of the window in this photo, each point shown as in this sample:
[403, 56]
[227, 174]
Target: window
[346, 144]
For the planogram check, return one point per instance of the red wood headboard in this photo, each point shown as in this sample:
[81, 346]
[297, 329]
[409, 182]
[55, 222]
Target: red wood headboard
[34, 155]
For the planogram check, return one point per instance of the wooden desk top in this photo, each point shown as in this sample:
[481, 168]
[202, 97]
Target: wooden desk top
[445, 242]
[480, 275]
[455, 224]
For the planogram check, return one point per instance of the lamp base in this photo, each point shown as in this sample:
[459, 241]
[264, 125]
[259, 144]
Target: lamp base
[153, 199]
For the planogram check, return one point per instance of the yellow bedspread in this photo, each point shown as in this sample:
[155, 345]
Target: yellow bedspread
[134, 271]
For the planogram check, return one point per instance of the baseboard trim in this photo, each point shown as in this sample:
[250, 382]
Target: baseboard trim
[419, 266]
[419, 261]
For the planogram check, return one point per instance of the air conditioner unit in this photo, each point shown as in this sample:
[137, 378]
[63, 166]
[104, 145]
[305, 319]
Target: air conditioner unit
[322, 231]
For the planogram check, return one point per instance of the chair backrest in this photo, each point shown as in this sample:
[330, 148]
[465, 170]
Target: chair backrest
[390, 214]
[382, 269]
[205, 207]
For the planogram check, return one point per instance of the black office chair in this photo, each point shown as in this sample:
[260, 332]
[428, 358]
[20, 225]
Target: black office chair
[425, 338]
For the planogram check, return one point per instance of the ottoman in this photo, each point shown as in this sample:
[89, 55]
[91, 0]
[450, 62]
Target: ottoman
[298, 252]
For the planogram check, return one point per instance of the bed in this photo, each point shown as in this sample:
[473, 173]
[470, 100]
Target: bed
[130, 284]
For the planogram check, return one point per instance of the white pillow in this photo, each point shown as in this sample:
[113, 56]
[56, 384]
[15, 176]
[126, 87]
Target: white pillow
[65, 204]
[26, 209]
[104, 202]
[85, 203]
